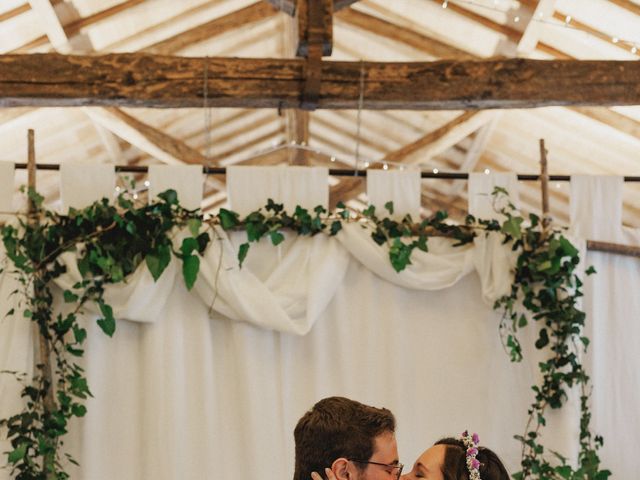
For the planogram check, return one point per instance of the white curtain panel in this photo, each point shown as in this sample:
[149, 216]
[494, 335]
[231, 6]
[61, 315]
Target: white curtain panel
[481, 201]
[402, 187]
[7, 187]
[210, 383]
[612, 311]
[81, 184]
[249, 187]
[186, 180]
[596, 207]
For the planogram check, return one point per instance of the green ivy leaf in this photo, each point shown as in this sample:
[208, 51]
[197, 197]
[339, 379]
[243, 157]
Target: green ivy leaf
[590, 271]
[108, 323]
[169, 196]
[242, 253]
[78, 410]
[194, 225]
[190, 267]
[389, 207]
[189, 244]
[543, 339]
[522, 321]
[370, 211]
[568, 247]
[511, 226]
[17, 454]
[79, 334]
[158, 260]
[228, 219]
[276, 237]
[336, 226]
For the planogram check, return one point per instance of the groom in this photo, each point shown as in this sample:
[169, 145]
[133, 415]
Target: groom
[355, 440]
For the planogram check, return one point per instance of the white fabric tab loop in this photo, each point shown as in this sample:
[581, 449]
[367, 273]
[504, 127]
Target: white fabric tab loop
[186, 180]
[596, 207]
[7, 177]
[481, 186]
[82, 184]
[249, 187]
[402, 187]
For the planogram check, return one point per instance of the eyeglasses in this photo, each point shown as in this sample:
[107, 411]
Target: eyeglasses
[392, 466]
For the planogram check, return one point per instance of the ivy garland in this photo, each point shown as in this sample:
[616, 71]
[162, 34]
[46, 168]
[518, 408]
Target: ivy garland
[111, 241]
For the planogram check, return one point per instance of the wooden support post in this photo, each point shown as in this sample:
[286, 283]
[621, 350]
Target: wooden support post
[44, 347]
[544, 181]
[315, 32]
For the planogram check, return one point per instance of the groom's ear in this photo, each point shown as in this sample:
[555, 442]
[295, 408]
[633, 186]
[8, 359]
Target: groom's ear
[341, 469]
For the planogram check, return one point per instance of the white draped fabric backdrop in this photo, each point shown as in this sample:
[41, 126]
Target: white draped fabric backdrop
[210, 383]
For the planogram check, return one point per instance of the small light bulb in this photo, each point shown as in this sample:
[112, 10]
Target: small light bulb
[445, 4]
[558, 185]
[147, 183]
[516, 19]
[333, 159]
[118, 189]
[541, 14]
[385, 167]
[293, 142]
[567, 19]
[304, 144]
[634, 49]
[487, 171]
[615, 39]
[435, 170]
[366, 164]
[135, 196]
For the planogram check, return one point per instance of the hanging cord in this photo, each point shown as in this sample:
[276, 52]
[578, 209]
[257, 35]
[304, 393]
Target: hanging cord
[207, 113]
[360, 103]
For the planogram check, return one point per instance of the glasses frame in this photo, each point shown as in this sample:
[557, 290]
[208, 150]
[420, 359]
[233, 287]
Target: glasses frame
[399, 466]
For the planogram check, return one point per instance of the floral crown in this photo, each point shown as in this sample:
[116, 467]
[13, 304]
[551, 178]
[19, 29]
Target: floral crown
[471, 443]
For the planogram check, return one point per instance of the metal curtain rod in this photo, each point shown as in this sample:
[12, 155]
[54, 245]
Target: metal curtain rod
[337, 172]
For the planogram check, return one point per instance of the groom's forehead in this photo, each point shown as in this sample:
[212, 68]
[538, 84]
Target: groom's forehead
[385, 445]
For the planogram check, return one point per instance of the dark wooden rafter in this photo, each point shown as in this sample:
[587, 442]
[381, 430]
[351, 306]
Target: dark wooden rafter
[289, 6]
[315, 28]
[140, 80]
[315, 39]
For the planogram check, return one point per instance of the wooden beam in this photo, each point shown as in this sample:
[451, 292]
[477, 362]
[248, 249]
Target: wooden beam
[509, 32]
[613, 119]
[142, 80]
[627, 5]
[315, 27]
[428, 146]
[48, 19]
[531, 34]
[297, 131]
[475, 152]
[76, 26]
[289, 6]
[441, 139]
[383, 28]
[256, 12]
[145, 137]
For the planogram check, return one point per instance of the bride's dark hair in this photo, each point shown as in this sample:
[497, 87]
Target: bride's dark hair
[454, 466]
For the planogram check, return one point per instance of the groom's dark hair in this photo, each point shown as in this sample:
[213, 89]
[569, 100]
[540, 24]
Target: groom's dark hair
[337, 427]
